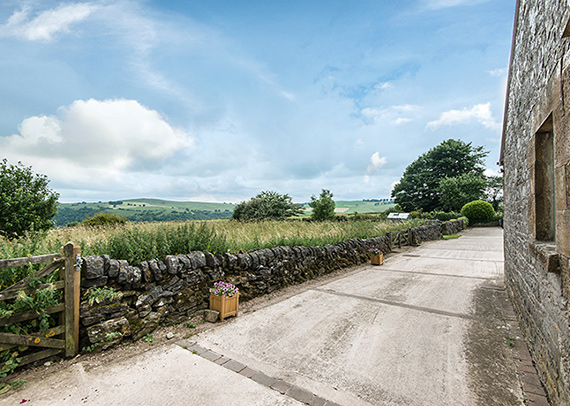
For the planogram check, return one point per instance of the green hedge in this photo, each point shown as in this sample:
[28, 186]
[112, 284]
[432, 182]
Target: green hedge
[478, 210]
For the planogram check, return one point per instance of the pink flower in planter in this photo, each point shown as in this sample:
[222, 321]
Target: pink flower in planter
[375, 251]
[222, 288]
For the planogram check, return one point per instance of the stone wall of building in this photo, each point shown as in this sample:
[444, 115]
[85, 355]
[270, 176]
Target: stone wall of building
[537, 187]
[170, 291]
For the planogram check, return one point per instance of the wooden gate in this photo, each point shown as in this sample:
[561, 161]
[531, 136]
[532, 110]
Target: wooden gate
[402, 237]
[62, 338]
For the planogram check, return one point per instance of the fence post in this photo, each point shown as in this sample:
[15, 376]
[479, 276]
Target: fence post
[72, 291]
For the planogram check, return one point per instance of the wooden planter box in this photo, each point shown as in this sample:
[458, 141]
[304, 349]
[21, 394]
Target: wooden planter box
[377, 259]
[226, 305]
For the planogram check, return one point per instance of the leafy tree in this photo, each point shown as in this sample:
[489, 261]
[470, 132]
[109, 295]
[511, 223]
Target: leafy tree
[267, 205]
[323, 206]
[26, 202]
[460, 190]
[494, 191]
[104, 219]
[419, 186]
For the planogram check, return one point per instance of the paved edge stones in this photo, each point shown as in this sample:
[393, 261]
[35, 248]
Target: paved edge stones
[532, 388]
[270, 382]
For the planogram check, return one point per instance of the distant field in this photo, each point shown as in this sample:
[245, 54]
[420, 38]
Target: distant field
[356, 206]
[151, 210]
[145, 210]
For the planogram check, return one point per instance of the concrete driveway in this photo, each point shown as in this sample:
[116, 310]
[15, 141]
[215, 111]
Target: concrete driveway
[426, 328]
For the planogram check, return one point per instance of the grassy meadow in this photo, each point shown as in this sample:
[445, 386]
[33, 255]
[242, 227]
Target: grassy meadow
[137, 242]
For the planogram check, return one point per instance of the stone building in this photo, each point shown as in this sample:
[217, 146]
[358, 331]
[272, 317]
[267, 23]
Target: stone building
[535, 155]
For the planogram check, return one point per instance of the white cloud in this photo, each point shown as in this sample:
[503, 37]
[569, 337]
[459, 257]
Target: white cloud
[402, 120]
[384, 86]
[439, 4]
[392, 113]
[500, 72]
[393, 185]
[480, 113]
[492, 172]
[376, 162]
[96, 140]
[46, 25]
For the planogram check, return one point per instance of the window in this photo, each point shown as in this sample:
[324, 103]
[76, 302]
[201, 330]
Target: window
[544, 188]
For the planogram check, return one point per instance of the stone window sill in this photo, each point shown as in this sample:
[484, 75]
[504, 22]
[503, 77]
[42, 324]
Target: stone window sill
[545, 253]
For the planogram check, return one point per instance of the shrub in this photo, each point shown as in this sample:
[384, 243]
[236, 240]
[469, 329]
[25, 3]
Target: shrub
[416, 214]
[26, 202]
[478, 210]
[104, 219]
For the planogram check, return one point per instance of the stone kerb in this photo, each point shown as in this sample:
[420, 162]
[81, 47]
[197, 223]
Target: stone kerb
[169, 291]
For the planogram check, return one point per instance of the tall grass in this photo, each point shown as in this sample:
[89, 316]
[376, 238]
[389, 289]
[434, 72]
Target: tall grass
[137, 242]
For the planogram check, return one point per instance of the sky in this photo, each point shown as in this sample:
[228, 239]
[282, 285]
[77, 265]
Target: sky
[218, 100]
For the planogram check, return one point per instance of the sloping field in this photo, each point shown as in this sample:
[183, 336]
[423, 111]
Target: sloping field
[168, 210]
[144, 210]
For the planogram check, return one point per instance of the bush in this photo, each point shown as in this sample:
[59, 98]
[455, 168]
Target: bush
[104, 219]
[478, 210]
[26, 202]
[416, 214]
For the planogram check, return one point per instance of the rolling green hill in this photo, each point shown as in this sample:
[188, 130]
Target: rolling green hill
[166, 210]
[144, 210]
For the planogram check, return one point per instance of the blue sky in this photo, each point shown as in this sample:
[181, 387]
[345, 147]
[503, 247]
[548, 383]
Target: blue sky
[213, 100]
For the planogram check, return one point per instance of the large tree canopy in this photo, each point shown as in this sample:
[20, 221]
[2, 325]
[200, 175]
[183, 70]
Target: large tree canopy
[26, 202]
[419, 186]
[267, 206]
[457, 192]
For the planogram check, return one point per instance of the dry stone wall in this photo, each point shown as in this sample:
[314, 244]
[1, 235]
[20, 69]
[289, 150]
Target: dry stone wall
[169, 291]
[452, 227]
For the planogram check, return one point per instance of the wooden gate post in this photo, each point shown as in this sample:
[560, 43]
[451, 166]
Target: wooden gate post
[72, 253]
